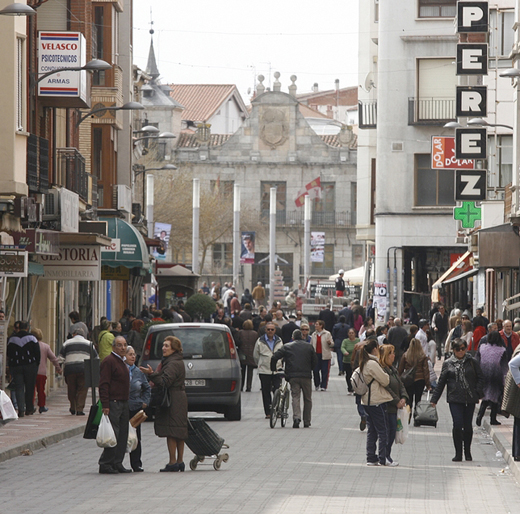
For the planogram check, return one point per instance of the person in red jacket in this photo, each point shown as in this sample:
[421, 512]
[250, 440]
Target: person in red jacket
[511, 339]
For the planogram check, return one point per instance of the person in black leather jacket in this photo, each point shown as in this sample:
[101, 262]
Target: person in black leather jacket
[300, 359]
[463, 376]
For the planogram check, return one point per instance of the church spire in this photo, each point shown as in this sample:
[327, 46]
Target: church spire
[151, 67]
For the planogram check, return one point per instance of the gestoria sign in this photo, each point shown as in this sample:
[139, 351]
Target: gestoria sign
[443, 155]
[72, 263]
[62, 50]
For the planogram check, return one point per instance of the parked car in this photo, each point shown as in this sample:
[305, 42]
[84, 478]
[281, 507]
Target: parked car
[213, 374]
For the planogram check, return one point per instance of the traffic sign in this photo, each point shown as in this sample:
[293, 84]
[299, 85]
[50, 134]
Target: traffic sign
[470, 185]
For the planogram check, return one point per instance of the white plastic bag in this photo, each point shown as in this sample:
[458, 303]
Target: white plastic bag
[132, 442]
[333, 358]
[402, 425]
[6, 408]
[106, 437]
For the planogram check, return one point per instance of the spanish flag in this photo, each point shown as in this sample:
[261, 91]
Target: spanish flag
[313, 189]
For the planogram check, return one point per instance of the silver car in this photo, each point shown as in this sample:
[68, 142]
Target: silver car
[213, 373]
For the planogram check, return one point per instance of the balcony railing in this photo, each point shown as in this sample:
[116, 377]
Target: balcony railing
[37, 164]
[319, 219]
[430, 111]
[71, 174]
[367, 114]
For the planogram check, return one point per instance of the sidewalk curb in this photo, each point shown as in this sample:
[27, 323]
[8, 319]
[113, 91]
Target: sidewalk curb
[500, 441]
[40, 442]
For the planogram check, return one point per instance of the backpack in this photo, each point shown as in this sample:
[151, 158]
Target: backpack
[358, 383]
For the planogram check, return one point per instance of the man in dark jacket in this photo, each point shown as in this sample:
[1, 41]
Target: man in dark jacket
[396, 337]
[441, 329]
[23, 359]
[114, 389]
[300, 359]
[328, 317]
[289, 328]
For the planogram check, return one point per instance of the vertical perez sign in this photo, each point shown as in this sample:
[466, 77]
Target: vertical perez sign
[58, 50]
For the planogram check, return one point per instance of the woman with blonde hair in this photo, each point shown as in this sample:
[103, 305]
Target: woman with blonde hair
[415, 360]
[399, 396]
[171, 422]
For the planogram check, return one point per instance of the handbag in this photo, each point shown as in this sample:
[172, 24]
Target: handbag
[7, 410]
[408, 377]
[94, 417]
[160, 397]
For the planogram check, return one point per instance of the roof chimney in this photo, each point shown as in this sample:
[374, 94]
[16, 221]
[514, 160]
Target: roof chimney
[315, 87]
[337, 84]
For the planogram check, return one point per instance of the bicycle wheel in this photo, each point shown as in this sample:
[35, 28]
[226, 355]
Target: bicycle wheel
[285, 408]
[275, 407]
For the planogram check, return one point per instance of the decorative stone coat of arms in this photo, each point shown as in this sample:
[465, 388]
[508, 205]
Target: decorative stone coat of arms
[274, 129]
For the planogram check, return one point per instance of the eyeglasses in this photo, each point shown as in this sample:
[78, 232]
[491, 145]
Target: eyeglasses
[304, 329]
[270, 329]
[463, 349]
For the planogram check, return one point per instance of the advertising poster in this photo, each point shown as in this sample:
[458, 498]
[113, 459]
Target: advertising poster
[162, 231]
[247, 249]
[380, 300]
[317, 246]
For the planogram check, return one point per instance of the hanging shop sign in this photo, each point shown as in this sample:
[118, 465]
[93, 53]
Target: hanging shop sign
[13, 263]
[119, 273]
[443, 155]
[41, 242]
[73, 263]
[472, 16]
[470, 185]
[471, 143]
[471, 101]
[58, 50]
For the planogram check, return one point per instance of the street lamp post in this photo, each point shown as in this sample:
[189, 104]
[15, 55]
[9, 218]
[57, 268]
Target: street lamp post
[129, 106]
[17, 10]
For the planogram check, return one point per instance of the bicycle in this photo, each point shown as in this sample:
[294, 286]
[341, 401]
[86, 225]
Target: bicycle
[280, 405]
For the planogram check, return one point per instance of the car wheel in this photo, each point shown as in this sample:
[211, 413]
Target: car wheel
[234, 413]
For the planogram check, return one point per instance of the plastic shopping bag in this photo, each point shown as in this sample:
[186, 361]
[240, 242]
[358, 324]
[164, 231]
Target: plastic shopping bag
[131, 444]
[7, 411]
[402, 425]
[106, 438]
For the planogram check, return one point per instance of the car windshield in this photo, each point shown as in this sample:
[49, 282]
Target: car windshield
[197, 343]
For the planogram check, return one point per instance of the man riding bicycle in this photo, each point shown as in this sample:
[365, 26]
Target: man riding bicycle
[300, 359]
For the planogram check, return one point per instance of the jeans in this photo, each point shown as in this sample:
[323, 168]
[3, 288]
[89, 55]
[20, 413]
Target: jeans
[119, 417]
[462, 415]
[321, 372]
[516, 438]
[339, 355]
[347, 368]
[377, 426]
[298, 386]
[249, 369]
[269, 384]
[391, 420]
[25, 381]
[360, 408]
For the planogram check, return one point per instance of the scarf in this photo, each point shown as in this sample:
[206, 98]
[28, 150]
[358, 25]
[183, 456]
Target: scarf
[460, 375]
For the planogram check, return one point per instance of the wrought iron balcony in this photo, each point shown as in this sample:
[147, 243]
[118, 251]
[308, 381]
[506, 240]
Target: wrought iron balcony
[37, 164]
[319, 219]
[72, 175]
[367, 112]
[430, 111]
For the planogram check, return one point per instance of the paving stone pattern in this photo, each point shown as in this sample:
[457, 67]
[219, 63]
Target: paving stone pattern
[281, 470]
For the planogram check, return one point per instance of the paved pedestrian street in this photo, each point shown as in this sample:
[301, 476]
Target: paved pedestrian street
[281, 470]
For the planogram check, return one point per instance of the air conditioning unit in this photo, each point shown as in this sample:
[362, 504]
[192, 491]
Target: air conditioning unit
[52, 205]
[124, 198]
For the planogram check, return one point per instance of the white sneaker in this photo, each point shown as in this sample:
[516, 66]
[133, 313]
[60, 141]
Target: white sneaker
[323, 389]
[317, 389]
[392, 464]
[373, 464]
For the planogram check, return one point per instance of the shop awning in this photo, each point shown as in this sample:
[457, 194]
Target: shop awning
[462, 268]
[128, 248]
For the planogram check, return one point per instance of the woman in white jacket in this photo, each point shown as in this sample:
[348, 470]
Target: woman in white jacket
[323, 343]
[375, 403]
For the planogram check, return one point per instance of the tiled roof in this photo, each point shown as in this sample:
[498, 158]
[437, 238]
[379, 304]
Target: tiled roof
[191, 141]
[309, 112]
[347, 96]
[334, 141]
[201, 101]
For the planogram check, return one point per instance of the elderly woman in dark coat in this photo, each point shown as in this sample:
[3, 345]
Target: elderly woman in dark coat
[245, 340]
[172, 422]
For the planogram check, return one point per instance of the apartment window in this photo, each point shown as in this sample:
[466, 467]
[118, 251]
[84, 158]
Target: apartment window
[501, 34]
[376, 11]
[265, 200]
[432, 187]
[20, 70]
[437, 8]
[357, 256]
[104, 41]
[436, 86]
[353, 203]
[97, 151]
[223, 187]
[324, 208]
[223, 257]
[327, 266]
[500, 161]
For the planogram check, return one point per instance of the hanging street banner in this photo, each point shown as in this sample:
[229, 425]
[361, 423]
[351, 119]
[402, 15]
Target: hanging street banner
[380, 300]
[247, 248]
[317, 246]
[443, 155]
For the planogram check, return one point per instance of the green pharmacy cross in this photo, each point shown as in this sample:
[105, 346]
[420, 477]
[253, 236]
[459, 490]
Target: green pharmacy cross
[467, 214]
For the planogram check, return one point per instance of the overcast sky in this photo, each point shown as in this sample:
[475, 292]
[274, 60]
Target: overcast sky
[231, 41]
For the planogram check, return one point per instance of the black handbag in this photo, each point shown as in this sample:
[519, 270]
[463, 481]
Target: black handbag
[94, 417]
[160, 397]
[408, 377]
